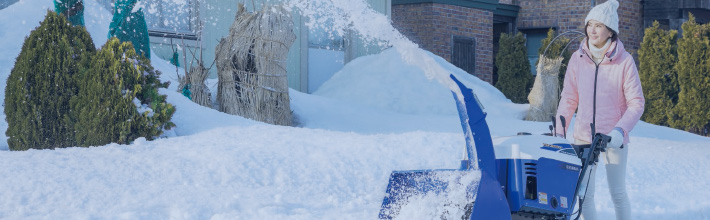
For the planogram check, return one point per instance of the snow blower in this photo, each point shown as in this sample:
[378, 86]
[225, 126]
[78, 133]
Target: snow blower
[517, 177]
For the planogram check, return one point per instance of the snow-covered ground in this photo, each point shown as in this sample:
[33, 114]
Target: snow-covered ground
[380, 113]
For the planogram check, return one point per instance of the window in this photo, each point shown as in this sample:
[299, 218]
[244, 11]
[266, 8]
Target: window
[321, 37]
[463, 55]
[533, 39]
[170, 16]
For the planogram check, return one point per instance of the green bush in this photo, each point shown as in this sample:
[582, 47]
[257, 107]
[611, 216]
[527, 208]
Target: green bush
[555, 50]
[514, 77]
[692, 113]
[40, 85]
[114, 96]
[659, 80]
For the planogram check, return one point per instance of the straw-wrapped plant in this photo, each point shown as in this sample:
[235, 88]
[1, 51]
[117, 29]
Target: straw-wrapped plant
[251, 65]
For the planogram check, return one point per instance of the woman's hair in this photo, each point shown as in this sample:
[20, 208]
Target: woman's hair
[614, 35]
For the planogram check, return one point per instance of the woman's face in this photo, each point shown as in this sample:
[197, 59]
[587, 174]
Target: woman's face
[598, 33]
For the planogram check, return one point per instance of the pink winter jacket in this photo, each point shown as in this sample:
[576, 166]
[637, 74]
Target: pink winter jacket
[620, 100]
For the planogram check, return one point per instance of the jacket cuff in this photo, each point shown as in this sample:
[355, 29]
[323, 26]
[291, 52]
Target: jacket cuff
[620, 130]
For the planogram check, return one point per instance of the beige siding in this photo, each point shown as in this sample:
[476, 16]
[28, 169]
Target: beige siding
[297, 58]
[218, 16]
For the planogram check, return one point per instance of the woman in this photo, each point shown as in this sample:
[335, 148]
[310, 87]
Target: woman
[602, 66]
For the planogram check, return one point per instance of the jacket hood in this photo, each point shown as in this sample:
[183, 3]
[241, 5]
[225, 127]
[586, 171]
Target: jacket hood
[614, 54]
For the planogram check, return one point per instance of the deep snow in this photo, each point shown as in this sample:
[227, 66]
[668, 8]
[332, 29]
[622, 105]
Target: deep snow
[380, 113]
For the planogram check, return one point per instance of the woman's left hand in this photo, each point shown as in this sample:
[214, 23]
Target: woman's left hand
[617, 138]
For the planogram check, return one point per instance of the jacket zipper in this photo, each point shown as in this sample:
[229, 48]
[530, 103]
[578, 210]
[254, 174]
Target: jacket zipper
[594, 103]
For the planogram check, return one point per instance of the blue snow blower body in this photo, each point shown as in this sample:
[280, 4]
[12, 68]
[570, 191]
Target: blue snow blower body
[521, 177]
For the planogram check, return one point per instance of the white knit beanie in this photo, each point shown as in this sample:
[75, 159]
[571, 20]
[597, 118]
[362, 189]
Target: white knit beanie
[605, 13]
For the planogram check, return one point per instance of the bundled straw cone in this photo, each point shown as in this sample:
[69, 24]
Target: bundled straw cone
[544, 96]
[251, 66]
[195, 79]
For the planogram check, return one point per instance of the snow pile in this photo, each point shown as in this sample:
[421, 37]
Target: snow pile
[387, 82]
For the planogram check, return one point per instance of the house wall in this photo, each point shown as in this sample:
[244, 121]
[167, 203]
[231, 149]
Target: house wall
[671, 14]
[664, 10]
[631, 25]
[433, 25]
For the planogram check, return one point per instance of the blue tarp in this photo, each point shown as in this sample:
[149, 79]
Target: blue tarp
[129, 25]
[72, 9]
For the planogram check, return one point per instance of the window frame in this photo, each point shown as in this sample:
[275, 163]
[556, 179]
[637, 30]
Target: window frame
[190, 34]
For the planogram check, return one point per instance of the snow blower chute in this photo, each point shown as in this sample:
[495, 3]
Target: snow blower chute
[516, 177]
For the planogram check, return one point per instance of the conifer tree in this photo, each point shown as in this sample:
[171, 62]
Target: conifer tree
[659, 80]
[40, 85]
[118, 99]
[514, 77]
[692, 113]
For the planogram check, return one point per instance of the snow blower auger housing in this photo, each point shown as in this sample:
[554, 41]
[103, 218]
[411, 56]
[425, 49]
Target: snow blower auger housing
[517, 177]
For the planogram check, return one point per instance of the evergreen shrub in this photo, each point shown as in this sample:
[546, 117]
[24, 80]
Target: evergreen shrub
[692, 113]
[659, 79]
[41, 83]
[514, 77]
[118, 98]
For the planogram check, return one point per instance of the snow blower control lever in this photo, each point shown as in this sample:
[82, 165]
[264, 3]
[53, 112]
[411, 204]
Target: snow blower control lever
[564, 125]
[553, 126]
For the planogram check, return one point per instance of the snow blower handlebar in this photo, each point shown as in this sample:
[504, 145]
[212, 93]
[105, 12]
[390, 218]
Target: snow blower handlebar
[589, 154]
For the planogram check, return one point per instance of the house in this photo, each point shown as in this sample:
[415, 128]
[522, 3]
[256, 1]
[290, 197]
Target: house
[466, 32]
[313, 58]
[483, 21]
